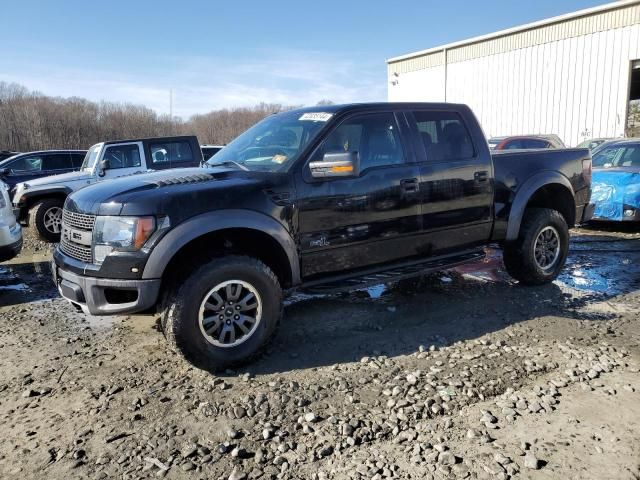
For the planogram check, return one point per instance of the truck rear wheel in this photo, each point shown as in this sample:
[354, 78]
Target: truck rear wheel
[47, 217]
[224, 313]
[539, 254]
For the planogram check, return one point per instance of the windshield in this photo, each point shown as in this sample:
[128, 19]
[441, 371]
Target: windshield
[274, 143]
[625, 155]
[91, 157]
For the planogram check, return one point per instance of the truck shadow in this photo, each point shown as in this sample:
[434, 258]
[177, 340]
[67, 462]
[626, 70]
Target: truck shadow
[442, 309]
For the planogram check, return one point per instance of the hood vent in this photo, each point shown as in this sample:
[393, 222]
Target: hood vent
[197, 178]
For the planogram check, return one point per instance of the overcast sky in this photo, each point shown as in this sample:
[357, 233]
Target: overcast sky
[216, 54]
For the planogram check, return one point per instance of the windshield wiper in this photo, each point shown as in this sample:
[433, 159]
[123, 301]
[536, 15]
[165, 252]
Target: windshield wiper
[228, 163]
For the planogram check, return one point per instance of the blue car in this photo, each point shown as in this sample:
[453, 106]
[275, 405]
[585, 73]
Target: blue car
[616, 181]
[28, 166]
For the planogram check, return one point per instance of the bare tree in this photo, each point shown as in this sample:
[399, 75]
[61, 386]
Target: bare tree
[32, 121]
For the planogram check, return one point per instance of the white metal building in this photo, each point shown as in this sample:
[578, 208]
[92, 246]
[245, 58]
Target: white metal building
[576, 75]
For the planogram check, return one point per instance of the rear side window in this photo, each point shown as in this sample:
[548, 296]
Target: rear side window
[535, 143]
[444, 136]
[77, 159]
[170, 152]
[56, 161]
[122, 156]
[26, 164]
[208, 152]
[513, 145]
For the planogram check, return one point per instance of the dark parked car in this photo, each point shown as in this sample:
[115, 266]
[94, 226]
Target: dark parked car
[323, 199]
[23, 167]
[6, 154]
[525, 142]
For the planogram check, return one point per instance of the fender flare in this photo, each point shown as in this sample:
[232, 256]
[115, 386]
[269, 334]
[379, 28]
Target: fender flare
[211, 222]
[524, 194]
[30, 194]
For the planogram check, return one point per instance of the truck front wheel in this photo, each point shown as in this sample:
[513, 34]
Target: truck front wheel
[47, 217]
[224, 313]
[540, 252]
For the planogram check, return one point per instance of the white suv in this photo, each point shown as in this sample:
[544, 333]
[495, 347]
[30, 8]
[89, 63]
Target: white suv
[10, 230]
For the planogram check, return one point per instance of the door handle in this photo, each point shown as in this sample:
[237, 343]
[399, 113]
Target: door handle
[409, 185]
[482, 176]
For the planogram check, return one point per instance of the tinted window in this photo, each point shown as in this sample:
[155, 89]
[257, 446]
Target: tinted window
[26, 164]
[535, 143]
[444, 136]
[77, 159]
[57, 161]
[513, 145]
[208, 152]
[122, 156]
[618, 156]
[164, 152]
[374, 137]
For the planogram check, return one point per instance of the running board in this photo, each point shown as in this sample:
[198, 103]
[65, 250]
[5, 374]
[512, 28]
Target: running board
[390, 273]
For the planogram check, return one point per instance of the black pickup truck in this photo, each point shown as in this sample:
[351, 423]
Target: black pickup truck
[319, 199]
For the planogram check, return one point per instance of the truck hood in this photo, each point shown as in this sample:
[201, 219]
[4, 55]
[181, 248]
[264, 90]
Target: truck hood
[57, 179]
[177, 193]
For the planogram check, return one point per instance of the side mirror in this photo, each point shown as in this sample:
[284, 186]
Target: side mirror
[104, 165]
[5, 171]
[343, 164]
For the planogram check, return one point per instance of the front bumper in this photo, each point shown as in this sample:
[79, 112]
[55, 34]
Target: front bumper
[615, 212]
[102, 296]
[10, 241]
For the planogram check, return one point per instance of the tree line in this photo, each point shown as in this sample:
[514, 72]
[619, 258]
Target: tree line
[30, 121]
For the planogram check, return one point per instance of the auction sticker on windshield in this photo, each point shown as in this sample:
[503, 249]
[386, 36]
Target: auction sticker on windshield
[316, 116]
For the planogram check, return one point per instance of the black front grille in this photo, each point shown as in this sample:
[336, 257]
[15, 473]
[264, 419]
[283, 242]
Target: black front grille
[77, 251]
[78, 220]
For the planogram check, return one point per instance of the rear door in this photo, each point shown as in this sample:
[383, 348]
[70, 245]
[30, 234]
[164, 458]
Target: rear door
[456, 187]
[351, 223]
[56, 163]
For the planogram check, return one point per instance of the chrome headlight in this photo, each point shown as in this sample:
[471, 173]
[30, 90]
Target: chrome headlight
[120, 233]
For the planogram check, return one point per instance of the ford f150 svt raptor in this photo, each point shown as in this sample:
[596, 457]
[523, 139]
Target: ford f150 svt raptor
[320, 199]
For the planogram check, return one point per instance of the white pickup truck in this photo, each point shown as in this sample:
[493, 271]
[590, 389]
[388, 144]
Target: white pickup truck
[41, 200]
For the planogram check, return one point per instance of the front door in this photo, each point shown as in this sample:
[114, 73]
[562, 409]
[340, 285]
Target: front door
[350, 223]
[456, 182]
[122, 159]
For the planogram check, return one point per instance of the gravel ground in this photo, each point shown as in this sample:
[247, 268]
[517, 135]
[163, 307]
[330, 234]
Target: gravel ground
[462, 374]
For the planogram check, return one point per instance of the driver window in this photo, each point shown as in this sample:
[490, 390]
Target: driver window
[122, 156]
[374, 137]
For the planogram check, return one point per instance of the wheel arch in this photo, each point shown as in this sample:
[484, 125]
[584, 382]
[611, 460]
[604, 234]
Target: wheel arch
[239, 231]
[31, 198]
[544, 190]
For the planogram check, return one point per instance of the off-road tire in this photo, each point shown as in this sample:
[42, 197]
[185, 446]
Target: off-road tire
[37, 214]
[519, 257]
[180, 317]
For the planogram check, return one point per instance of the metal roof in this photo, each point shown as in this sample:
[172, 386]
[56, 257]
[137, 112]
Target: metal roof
[632, 17]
